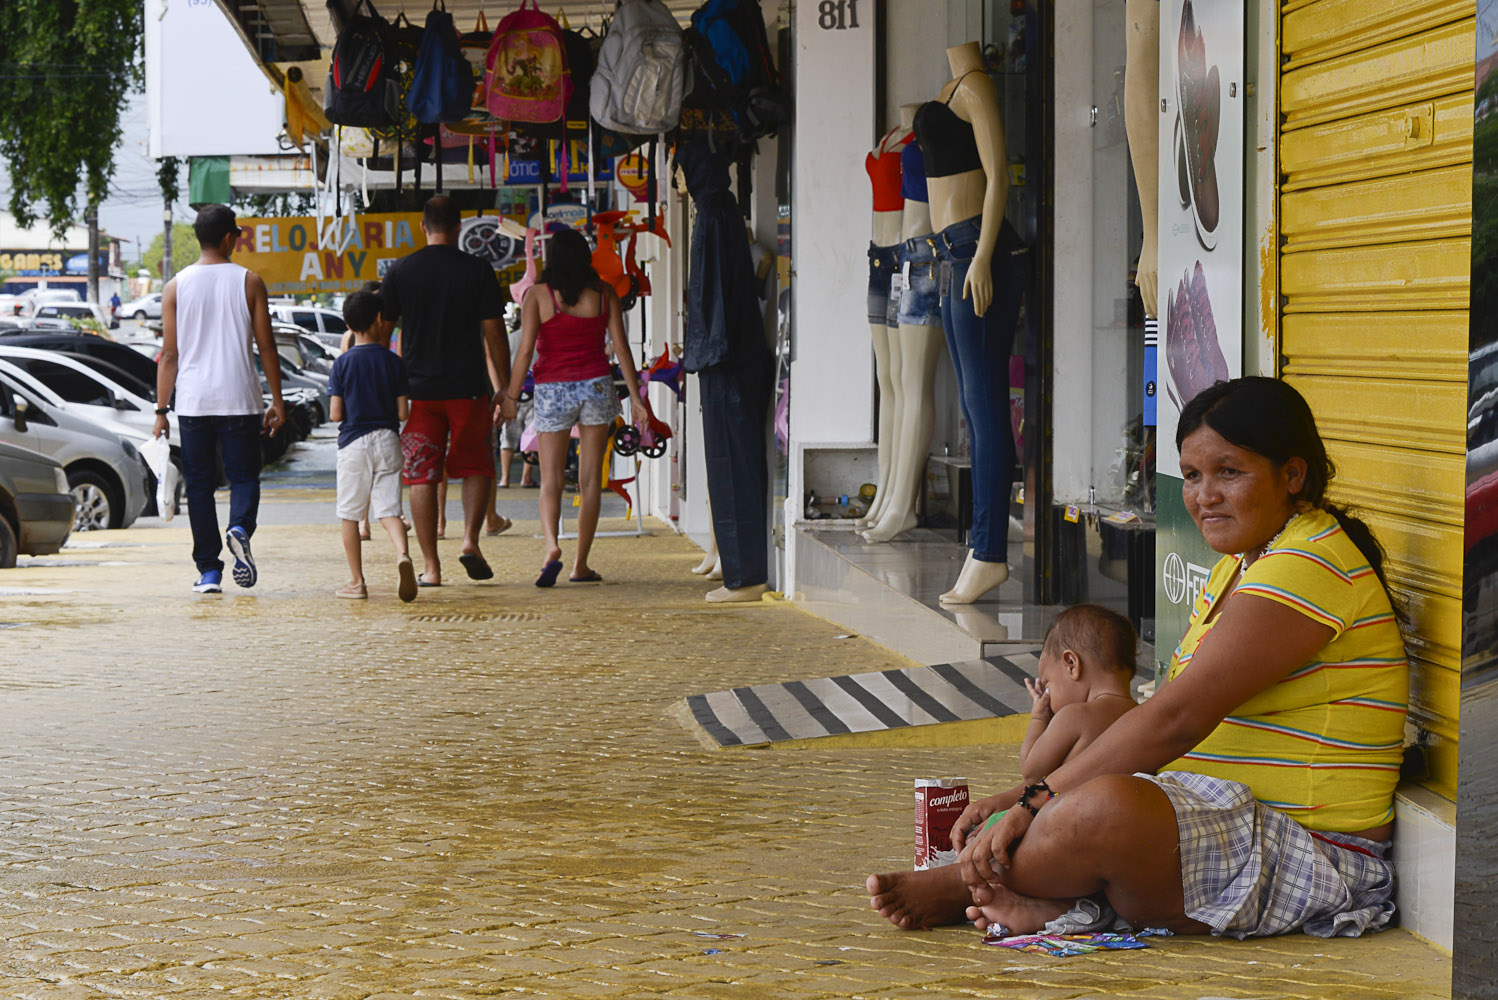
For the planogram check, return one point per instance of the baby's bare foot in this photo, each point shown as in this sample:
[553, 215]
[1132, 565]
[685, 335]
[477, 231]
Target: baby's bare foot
[1015, 913]
[919, 900]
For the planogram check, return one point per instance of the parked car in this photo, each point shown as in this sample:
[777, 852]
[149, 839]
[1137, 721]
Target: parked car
[76, 312]
[92, 394]
[29, 324]
[34, 297]
[326, 324]
[303, 349]
[106, 474]
[141, 365]
[143, 308]
[36, 505]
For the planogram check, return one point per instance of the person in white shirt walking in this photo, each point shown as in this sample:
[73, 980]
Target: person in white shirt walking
[210, 312]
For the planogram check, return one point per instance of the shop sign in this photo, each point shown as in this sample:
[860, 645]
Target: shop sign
[31, 263]
[572, 216]
[78, 264]
[633, 173]
[1184, 563]
[523, 172]
[1201, 208]
[293, 256]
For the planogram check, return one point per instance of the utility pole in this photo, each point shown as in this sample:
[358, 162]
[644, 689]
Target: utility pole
[166, 246]
[93, 253]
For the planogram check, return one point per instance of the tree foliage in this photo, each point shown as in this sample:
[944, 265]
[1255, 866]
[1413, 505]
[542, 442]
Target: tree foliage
[184, 250]
[66, 67]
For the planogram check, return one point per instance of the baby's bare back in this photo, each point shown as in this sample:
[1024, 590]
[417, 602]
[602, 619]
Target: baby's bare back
[1096, 716]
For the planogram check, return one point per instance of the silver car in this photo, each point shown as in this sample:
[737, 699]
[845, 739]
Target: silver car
[105, 473]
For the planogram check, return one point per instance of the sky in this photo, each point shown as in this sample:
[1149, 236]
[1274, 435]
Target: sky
[132, 211]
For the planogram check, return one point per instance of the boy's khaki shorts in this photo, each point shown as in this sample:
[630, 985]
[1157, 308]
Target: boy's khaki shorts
[369, 477]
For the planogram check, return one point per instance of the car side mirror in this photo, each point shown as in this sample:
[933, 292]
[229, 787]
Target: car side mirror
[123, 404]
[22, 407]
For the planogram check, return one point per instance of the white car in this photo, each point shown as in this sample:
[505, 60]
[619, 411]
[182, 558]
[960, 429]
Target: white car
[76, 312]
[143, 308]
[106, 474]
[326, 325]
[89, 393]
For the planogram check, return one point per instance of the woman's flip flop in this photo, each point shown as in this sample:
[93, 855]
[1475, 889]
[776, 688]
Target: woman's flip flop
[475, 566]
[549, 573]
[592, 577]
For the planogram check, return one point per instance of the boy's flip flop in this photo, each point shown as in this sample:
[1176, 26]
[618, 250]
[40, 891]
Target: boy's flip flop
[408, 582]
[592, 577]
[475, 566]
[549, 573]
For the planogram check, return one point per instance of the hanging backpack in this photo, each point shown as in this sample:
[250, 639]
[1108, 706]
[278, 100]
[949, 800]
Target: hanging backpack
[475, 47]
[361, 88]
[579, 74]
[638, 84]
[442, 83]
[733, 67]
[527, 67]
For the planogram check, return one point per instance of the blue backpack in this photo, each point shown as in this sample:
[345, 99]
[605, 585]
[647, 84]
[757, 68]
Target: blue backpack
[734, 69]
[442, 83]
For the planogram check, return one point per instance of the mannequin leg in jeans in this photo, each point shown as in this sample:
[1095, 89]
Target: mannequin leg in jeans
[980, 347]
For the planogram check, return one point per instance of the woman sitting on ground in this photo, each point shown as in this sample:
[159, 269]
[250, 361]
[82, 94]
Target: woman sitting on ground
[563, 320]
[1277, 738]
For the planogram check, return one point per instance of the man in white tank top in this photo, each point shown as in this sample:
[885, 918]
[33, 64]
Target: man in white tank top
[209, 313]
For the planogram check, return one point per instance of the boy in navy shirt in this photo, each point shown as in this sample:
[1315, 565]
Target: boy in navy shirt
[369, 396]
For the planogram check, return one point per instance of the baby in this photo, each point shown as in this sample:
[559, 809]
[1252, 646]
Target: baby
[1081, 688]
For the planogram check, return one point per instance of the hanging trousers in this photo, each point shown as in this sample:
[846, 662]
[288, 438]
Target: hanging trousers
[735, 405]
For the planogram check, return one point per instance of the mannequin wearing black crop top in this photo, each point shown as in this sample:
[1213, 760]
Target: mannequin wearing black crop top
[962, 138]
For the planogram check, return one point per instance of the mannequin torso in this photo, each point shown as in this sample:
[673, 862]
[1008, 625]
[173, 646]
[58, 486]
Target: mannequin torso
[887, 220]
[971, 97]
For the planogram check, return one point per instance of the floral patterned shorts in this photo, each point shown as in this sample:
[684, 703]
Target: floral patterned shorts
[560, 405]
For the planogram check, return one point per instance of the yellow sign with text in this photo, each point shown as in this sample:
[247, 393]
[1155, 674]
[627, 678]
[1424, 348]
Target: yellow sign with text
[293, 256]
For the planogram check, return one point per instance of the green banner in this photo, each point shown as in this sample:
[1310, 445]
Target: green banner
[1183, 561]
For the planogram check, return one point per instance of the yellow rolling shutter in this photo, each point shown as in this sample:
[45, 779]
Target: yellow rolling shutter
[1375, 219]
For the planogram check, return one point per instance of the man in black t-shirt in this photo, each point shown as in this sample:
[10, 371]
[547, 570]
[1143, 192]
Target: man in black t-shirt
[451, 313]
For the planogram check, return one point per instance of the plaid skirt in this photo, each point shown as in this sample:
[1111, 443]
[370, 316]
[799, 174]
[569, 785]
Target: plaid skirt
[1251, 871]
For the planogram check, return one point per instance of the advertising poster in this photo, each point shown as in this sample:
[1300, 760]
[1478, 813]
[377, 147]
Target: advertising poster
[295, 257]
[1201, 268]
[1201, 207]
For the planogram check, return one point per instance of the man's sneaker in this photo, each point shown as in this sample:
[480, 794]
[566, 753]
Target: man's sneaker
[211, 582]
[244, 563]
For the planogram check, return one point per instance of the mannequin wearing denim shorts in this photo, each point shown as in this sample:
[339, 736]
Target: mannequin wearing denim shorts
[984, 269]
[883, 166]
[916, 348]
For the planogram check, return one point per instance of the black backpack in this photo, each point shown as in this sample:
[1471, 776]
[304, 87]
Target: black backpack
[362, 89]
[733, 68]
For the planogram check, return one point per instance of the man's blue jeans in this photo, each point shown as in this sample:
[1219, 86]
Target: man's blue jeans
[204, 440]
[980, 348]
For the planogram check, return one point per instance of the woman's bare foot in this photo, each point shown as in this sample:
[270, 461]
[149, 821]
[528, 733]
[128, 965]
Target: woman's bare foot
[1015, 913]
[920, 900]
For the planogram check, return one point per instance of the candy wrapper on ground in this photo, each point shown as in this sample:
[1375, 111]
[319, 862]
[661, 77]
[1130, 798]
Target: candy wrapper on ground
[1068, 945]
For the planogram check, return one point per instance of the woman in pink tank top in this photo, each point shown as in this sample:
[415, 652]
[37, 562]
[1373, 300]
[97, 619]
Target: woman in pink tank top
[567, 320]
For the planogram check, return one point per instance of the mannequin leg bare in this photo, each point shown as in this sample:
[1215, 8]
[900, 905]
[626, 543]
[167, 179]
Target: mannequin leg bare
[710, 554]
[920, 349]
[1142, 123]
[976, 579]
[882, 337]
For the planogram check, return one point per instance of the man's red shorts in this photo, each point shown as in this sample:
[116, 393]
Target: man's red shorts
[458, 427]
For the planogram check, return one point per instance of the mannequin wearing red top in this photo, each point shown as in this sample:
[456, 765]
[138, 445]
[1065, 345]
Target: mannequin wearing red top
[883, 166]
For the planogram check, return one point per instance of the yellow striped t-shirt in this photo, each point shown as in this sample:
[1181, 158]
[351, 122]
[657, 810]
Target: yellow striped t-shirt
[1325, 743]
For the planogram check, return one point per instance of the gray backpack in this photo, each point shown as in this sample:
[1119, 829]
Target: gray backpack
[641, 74]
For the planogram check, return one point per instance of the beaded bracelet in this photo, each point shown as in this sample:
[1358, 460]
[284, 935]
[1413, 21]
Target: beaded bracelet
[1038, 786]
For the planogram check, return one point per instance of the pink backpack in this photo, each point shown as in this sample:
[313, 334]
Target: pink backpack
[528, 78]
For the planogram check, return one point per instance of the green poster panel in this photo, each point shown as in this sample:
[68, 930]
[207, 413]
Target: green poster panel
[1183, 561]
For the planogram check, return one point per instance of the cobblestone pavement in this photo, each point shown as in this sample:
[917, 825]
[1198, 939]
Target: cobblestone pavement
[279, 794]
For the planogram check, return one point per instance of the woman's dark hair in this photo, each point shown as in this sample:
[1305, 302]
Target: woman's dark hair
[569, 265]
[1268, 417]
